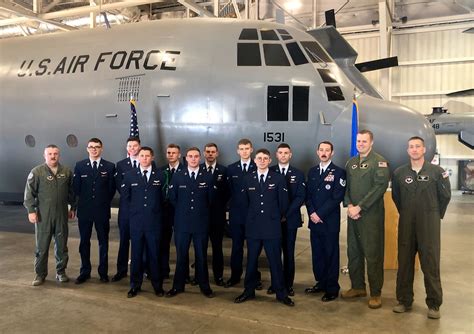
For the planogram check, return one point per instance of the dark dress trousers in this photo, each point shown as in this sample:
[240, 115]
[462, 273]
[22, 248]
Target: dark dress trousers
[237, 215]
[325, 193]
[266, 205]
[95, 189]
[291, 221]
[144, 201]
[191, 199]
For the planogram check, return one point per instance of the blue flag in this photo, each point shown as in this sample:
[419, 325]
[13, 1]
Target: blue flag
[133, 119]
[354, 127]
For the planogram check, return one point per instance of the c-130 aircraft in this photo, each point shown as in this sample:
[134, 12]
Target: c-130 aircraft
[195, 81]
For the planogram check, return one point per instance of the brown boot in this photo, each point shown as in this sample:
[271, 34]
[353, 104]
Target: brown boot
[375, 302]
[353, 293]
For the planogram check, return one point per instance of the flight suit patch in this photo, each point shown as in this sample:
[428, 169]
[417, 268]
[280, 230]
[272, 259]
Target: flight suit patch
[423, 178]
[59, 176]
[364, 166]
[445, 174]
[49, 178]
[30, 176]
[342, 182]
[354, 166]
[408, 180]
[383, 164]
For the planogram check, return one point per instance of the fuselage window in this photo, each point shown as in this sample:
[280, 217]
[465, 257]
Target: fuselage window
[269, 35]
[326, 75]
[300, 103]
[71, 140]
[316, 53]
[296, 54]
[275, 55]
[334, 93]
[285, 35]
[30, 141]
[248, 54]
[249, 34]
[277, 103]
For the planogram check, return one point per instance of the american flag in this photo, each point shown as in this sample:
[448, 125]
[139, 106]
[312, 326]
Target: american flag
[133, 119]
[354, 127]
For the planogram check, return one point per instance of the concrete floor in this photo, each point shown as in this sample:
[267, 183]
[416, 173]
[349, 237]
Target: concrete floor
[97, 307]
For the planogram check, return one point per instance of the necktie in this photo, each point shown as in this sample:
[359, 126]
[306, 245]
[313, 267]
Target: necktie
[94, 168]
[134, 163]
[261, 181]
[209, 169]
[283, 171]
[145, 178]
[173, 170]
[245, 168]
[193, 176]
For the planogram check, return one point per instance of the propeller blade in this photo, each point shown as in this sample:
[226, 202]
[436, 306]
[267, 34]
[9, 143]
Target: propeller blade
[377, 64]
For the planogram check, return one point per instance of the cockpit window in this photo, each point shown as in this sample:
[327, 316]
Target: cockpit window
[248, 54]
[275, 55]
[285, 35]
[296, 53]
[300, 103]
[334, 93]
[316, 53]
[326, 75]
[277, 103]
[269, 35]
[249, 34]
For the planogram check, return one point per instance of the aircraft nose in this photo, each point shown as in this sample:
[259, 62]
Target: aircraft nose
[393, 124]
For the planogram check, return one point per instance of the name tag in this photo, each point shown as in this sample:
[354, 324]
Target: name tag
[235, 176]
[183, 186]
[83, 175]
[134, 184]
[251, 188]
[271, 186]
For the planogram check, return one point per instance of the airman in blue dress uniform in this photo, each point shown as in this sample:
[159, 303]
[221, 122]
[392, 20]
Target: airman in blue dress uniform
[94, 185]
[142, 190]
[267, 201]
[326, 186]
[191, 193]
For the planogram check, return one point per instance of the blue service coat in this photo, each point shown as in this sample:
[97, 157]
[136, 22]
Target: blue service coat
[122, 167]
[324, 194]
[191, 200]
[238, 200]
[266, 206]
[221, 193]
[144, 200]
[296, 186]
[95, 190]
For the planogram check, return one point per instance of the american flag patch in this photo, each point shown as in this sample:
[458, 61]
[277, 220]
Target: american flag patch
[383, 164]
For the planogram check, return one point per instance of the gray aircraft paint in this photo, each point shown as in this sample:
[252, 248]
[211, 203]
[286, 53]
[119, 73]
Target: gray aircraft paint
[207, 97]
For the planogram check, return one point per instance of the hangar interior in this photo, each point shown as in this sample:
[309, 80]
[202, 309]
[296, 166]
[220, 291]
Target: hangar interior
[434, 42]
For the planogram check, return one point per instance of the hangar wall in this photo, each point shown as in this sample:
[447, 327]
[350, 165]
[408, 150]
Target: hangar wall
[433, 61]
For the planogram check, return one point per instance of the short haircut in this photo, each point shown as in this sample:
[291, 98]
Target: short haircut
[52, 146]
[211, 145]
[133, 139]
[95, 140]
[244, 141]
[264, 151]
[284, 145]
[327, 142]
[367, 132]
[417, 138]
[172, 145]
[146, 148]
[194, 148]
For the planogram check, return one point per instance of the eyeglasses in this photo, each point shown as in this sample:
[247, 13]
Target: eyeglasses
[262, 158]
[94, 147]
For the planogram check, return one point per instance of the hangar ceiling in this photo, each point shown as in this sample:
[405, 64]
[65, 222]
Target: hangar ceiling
[28, 17]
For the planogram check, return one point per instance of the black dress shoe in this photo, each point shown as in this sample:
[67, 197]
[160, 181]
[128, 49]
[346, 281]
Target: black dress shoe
[329, 297]
[82, 278]
[173, 292]
[270, 291]
[291, 292]
[194, 282]
[231, 282]
[104, 279]
[220, 282]
[259, 285]
[133, 292]
[187, 280]
[208, 293]
[243, 297]
[117, 277]
[314, 289]
[286, 301]
[160, 292]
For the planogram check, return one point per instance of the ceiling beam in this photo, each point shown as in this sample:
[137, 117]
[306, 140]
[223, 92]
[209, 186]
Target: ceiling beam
[196, 8]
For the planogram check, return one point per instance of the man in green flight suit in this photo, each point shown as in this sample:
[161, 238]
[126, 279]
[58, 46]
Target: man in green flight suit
[48, 192]
[367, 180]
[421, 192]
